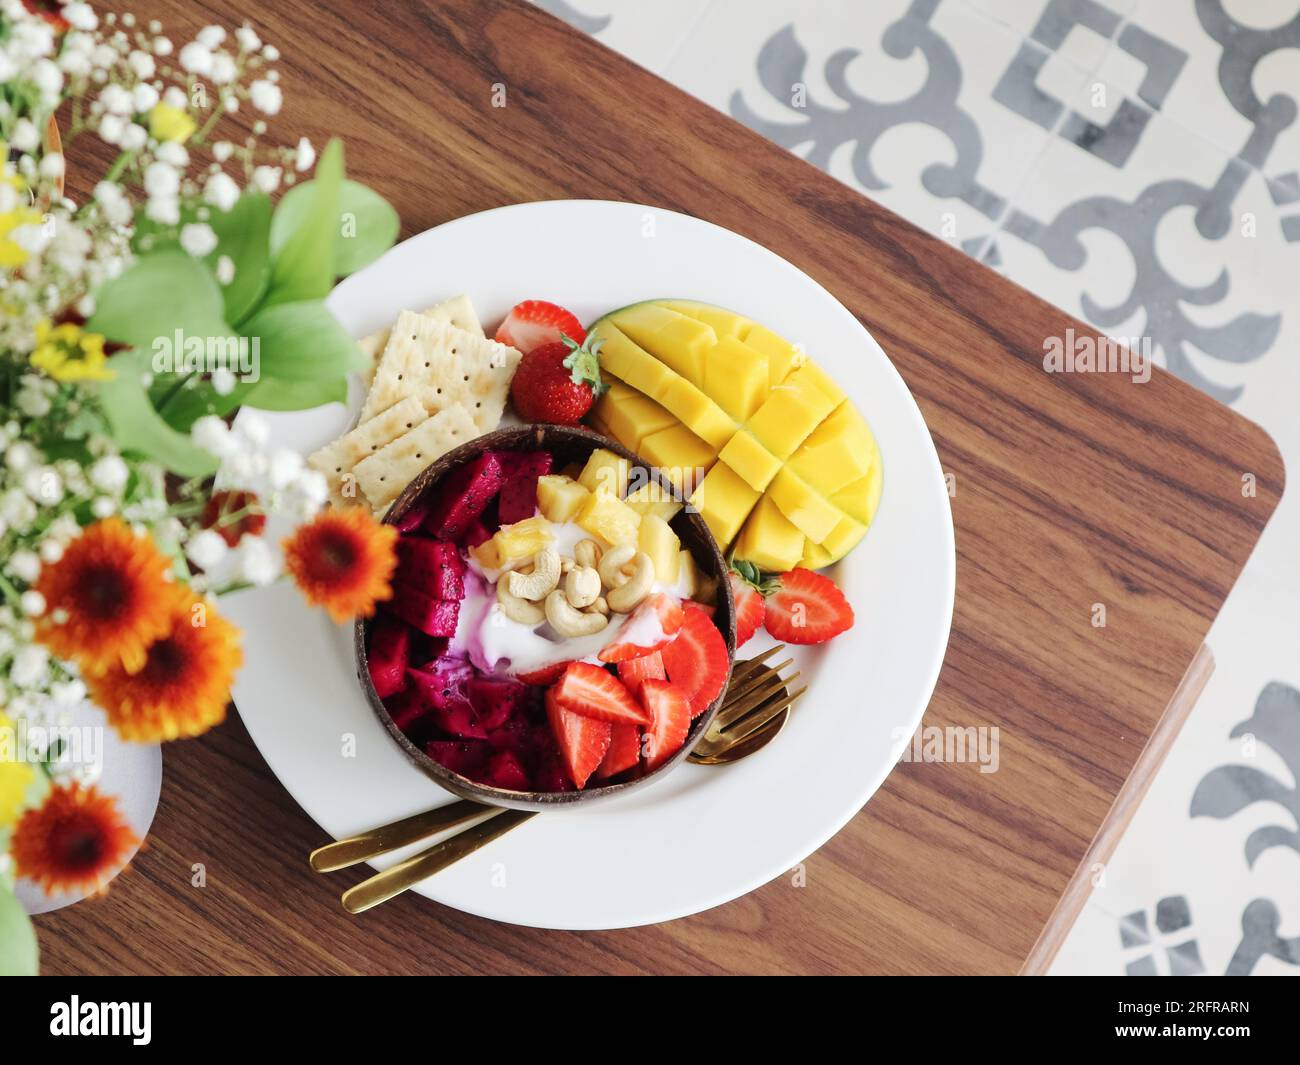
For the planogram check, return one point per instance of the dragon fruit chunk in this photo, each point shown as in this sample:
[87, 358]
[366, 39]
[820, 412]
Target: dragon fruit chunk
[495, 699]
[504, 770]
[432, 566]
[518, 498]
[442, 690]
[387, 654]
[469, 759]
[464, 496]
[436, 617]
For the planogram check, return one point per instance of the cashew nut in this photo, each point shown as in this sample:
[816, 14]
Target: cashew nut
[567, 621]
[586, 553]
[624, 598]
[516, 609]
[539, 582]
[600, 606]
[612, 563]
[582, 586]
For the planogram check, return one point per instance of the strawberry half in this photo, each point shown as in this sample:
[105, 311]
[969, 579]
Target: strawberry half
[557, 382]
[544, 676]
[696, 660]
[593, 691]
[670, 620]
[670, 714]
[806, 608]
[583, 741]
[532, 323]
[748, 587]
[624, 750]
[648, 667]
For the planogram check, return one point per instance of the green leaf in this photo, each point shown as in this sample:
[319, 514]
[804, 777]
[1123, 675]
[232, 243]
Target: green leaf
[302, 342]
[302, 264]
[274, 394]
[191, 403]
[244, 236]
[158, 294]
[366, 225]
[18, 949]
[138, 427]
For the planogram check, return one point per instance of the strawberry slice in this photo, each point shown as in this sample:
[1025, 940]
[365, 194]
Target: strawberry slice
[624, 750]
[595, 692]
[544, 676]
[647, 667]
[670, 714]
[749, 607]
[669, 611]
[583, 741]
[806, 608]
[696, 660]
[532, 323]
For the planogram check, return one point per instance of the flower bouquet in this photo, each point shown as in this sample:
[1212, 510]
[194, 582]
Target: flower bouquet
[185, 285]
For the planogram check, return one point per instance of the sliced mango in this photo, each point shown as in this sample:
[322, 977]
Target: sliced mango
[837, 452]
[736, 376]
[629, 416]
[793, 409]
[723, 500]
[769, 539]
[724, 323]
[679, 455]
[778, 351]
[813, 514]
[751, 460]
[678, 341]
[631, 363]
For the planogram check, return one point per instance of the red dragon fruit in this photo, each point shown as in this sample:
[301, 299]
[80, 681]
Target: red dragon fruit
[436, 617]
[432, 566]
[518, 498]
[464, 496]
[387, 655]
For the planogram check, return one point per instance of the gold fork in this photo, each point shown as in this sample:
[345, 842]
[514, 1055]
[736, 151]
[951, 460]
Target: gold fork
[753, 711]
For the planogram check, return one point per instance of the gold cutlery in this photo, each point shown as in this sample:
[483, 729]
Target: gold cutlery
[755, 709]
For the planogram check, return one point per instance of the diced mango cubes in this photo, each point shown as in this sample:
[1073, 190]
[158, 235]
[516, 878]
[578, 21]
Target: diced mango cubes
[793, 409]
[658, 541]
[751, 460]
[736, 376]
[680, 456]
[700, 414]
[628, 416]
[605, 470]
[559, 498]
[837, 452]
[604, 515]
[723, 501]
[770, 540]
[813, 514]
[676, 340]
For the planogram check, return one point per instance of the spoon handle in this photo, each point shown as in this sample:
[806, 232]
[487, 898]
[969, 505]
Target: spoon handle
[377, 841]
[383, 886]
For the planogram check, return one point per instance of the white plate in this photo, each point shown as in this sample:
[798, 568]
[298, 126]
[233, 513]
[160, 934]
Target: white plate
[703, 835]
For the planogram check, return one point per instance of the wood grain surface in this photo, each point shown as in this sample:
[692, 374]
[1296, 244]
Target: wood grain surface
[1071, 490]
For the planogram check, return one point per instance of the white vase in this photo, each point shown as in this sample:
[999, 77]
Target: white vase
[132, 773]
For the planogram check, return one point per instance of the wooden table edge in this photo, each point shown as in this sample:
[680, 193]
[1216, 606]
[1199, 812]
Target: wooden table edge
[1099, 852]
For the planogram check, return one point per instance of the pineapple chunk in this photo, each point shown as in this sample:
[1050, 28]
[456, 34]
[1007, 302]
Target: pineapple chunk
[735, 375]
[630, 363]
[489, 557]
[658, 541]
[837, 452]
[780, 353]
[651, 498]
[628, 416]
[605, 470]
[521, 541]
[747, 457]
[680, 456]
[811, 513]
[769, 540]
[790, 413]
[701, 415]
[604, 515]
[723, 501]
[559, 498]
[676, 340]
[688, 573]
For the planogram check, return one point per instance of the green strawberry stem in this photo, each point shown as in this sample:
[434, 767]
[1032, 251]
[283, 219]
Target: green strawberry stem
[583, 361]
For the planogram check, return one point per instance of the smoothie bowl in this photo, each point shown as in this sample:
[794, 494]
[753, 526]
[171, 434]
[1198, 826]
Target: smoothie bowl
[555, 633]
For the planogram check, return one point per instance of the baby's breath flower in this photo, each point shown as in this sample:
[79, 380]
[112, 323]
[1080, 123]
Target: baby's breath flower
[266, 96]
[198, 239]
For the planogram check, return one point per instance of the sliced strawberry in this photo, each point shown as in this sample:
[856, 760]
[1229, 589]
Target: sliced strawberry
[647, 667]
[749, 608]
[532, 323]
[670, 714]
[707, 609]
[583, 741]
[545, 676]
[624, 750]
[595, 692]
[807, 608]
[696, 660]
[669, 611]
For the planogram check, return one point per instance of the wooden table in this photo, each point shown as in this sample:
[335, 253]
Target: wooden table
[1071, 490]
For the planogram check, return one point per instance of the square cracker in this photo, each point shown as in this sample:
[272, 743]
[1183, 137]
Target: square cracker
[383, 475]
[457, 311]
[337, 460]
[442, 366]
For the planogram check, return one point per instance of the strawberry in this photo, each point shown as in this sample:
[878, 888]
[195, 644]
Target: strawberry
[624, 750]
[592, 691]
[748, 587]
[533, 323]
[583, 741]
[806, 608]
[557, 382]
[670, 720]
[544, 676]
[670, 620]
[696, 660]
[647, 667]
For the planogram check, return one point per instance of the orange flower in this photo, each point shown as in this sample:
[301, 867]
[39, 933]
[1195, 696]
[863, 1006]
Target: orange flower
[183, 686]
[107, 598]
[74, 841]
[343, 561]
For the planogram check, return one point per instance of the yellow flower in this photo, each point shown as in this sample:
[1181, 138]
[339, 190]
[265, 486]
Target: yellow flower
[68, 353]
[15, 776]
[11, 252]
[167, 123]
